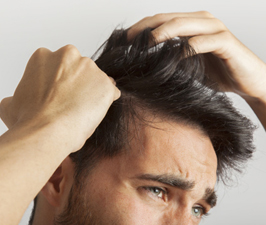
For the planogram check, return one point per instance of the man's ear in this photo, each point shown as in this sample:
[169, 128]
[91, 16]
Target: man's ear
[57, 188]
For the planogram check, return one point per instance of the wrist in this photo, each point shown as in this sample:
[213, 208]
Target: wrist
[30, 152]
[50, 137]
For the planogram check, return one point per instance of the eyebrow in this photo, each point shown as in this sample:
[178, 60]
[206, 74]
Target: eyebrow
[209, 196]
[171, 180]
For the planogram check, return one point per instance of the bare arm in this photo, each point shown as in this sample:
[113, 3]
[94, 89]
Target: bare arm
[28, 157]
[57, 105]
[236, 68]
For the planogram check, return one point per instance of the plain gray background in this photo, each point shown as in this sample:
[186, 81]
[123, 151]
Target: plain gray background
[29, 24]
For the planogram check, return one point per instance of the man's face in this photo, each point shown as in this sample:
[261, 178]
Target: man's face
[167, 177]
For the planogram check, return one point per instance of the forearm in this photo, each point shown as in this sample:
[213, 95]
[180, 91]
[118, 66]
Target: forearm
[61, 99]
[28, 157]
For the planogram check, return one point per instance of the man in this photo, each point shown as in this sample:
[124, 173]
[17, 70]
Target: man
[152, 164]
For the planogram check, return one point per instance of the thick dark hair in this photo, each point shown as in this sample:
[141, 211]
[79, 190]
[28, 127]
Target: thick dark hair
[168, 80]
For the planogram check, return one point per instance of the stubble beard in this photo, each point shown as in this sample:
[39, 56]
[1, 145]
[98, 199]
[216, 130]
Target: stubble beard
[78, 210]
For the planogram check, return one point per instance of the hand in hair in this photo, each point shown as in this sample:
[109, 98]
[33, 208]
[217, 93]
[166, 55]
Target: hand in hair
[57, 105]
[61, 87]
[228, 62]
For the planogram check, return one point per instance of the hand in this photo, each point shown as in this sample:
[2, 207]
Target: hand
[232, 65]
[64, 89]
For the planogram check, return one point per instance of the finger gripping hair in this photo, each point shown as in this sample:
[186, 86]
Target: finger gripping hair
[167, 79]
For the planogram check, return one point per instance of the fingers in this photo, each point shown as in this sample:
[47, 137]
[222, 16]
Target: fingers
[159, 19]
[207, 33]
[66, 53]
[117, 92]
[88, 69]
[187, 27]
[89, 65]
[112, 80]
[220, 44]
[70, 54]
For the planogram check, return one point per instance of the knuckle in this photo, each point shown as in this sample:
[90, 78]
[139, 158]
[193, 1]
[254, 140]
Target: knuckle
[40, 52]
[87, 62]
[219, 23]
[105, 83]
[108, 81]
[178, 20]
[146, 18]
[206, 14]
[159, 16]
[227, 34]
[195, 41]
[4, 103]
[70, 49]
[39, 56]
[68, 54]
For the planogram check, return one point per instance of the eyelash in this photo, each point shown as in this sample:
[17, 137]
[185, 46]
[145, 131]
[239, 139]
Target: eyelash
[165, 192]
[205, 213]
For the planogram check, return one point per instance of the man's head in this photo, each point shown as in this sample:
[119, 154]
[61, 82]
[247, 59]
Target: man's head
[155, 157]
[167, 176]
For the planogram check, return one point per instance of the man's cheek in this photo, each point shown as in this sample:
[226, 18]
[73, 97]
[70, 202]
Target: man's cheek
[130, 209]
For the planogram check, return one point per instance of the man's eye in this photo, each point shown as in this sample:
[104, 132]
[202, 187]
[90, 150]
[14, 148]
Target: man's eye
[156, 191]
[198, 211]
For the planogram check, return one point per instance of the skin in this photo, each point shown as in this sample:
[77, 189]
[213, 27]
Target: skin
[47, 114]
[55, 87]
[243, 75]
[123, 189]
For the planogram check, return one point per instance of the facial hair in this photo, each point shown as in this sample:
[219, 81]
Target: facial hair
[79, 210]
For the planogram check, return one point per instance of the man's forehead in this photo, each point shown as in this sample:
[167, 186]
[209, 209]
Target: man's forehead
[174, 148]
[159, 134]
